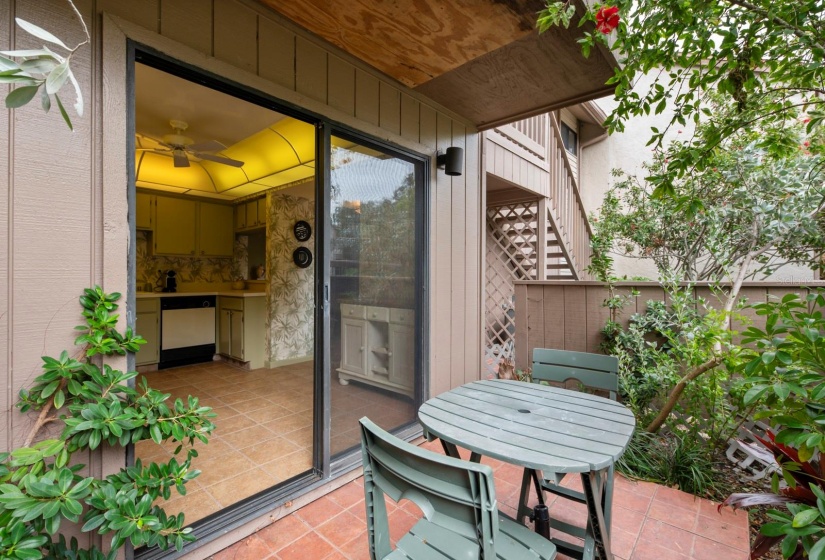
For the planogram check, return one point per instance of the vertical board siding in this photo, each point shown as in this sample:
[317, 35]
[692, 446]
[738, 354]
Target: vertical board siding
[310, 70]
[276, 53]
[341, 80]
[458, 236]
[188, 22]
[145, 13]
[236, 39]
[7, 388]
[367, 97]
[570, 316]
[410, 120]
[441, 197]
[474, 231]
[389, 108]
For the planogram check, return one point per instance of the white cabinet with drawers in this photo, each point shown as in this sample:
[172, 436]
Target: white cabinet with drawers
[378, 347]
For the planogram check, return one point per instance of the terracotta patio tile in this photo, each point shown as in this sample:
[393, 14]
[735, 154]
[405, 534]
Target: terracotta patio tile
[342, 528]
[628, 498]
[283, 532]
[666, 536]
[731, 534]
[310, 546]
[627, 519]
[358, 548]
[727, 514]
[251, 548]
[706, 548]
[672, 514]
[672, 496]
[652, 551]
[320, 511]
[622, 542]
[348, 495]
[335, 555]
[637, 486]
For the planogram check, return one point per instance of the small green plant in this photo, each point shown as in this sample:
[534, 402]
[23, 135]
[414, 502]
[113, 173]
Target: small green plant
[678, 460]
[41, 487]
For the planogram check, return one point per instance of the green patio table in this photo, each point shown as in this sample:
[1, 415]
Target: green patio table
[543, 429]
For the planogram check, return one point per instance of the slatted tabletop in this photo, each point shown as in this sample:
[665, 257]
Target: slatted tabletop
[536, 426]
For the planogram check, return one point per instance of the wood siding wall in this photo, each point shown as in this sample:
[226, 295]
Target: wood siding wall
[65, 222]
[571, 315]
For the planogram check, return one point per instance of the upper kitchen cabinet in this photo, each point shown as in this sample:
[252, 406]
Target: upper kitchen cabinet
[184, 227]
[250, 214]
[215, 230]
[143, 215]
[176, 226]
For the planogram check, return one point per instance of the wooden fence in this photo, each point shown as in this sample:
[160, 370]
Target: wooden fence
[570, 315]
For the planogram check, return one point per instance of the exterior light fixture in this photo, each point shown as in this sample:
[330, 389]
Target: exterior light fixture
[451, 161]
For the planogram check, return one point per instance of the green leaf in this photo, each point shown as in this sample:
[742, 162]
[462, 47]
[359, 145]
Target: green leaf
[20, 96]
[57, 77]
[805, 517]
[817, 551]
[59, 399]
[45, 100]
[63, 112]
[40, 33]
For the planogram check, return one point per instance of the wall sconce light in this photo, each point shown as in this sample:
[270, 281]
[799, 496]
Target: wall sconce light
[451, 162]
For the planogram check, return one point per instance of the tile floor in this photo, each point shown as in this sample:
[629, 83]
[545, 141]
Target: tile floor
[650, 522]
[263, 432]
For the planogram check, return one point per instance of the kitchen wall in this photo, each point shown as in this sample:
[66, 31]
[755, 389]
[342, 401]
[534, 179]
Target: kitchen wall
[291, 297]
[189, 269]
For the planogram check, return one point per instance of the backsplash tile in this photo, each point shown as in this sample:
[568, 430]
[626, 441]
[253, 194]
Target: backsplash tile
[188, 269]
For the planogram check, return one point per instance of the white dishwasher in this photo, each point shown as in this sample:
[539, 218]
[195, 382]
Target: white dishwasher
[187, 330]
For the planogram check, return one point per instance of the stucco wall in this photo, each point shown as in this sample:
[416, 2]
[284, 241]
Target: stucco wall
[628, 151]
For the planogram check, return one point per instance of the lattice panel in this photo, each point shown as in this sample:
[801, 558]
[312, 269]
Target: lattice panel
[512, 242]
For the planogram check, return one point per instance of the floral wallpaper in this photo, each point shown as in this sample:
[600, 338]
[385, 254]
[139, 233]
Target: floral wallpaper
[290, 298]
[240, 258]
[189, 269]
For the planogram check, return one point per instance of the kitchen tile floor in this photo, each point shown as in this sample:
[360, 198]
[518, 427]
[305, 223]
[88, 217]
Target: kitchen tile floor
[263, 432]
[650, 522]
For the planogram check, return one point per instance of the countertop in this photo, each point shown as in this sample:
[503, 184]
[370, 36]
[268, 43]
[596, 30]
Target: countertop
[231, 293]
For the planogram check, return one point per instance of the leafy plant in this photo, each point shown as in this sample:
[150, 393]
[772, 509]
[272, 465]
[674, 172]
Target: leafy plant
[674, 459]
[40, 483]
[783, 377]
[734, 65]
[42, 68]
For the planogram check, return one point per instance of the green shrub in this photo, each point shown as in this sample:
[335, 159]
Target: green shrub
[40, 483]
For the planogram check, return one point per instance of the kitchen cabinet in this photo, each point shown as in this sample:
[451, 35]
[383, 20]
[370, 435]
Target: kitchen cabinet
[143, 211]
[147, 325]
[241, 329]
[250, 214]
[378, 347]
[185, 227]
[215, 237]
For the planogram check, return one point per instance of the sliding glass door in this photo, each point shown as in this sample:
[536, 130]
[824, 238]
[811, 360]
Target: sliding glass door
[374, 245]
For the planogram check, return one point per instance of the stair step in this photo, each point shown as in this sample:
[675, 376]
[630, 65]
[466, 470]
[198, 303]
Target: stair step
[555, 255]
[558, 266]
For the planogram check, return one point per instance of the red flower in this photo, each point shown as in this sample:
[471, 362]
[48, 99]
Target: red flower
[607, 19]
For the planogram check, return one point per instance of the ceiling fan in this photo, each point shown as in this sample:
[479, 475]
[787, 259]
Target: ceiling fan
[179, 145]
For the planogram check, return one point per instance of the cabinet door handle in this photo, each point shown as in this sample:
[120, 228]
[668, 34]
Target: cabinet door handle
[202, 252]
[192, 252]
[361, 349]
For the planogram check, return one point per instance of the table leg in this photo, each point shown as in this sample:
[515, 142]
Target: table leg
[593, 484]
[530, 477]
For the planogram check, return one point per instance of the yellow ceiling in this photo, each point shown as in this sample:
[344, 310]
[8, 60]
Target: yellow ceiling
[277, 155]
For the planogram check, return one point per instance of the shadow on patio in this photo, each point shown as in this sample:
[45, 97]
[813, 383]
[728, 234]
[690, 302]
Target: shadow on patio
[650, 522]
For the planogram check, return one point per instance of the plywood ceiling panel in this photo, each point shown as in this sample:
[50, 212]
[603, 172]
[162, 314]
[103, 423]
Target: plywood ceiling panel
[414, 41]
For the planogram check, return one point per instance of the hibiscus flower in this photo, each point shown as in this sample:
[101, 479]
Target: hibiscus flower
[607, 19]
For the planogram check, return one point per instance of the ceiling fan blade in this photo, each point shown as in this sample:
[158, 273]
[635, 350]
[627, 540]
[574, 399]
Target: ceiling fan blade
[180, 158]
[210, 146]
[219, 159]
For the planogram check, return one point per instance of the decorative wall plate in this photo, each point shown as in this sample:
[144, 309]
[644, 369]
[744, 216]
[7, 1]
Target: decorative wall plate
[302, 230]
[302, 257]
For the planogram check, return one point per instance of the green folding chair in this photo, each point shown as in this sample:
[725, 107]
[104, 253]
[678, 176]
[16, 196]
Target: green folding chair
[596, 372]
[457, 498]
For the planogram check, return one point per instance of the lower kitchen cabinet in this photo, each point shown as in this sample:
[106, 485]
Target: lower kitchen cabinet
[241, 329]
[378, 347]
[147, 325]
